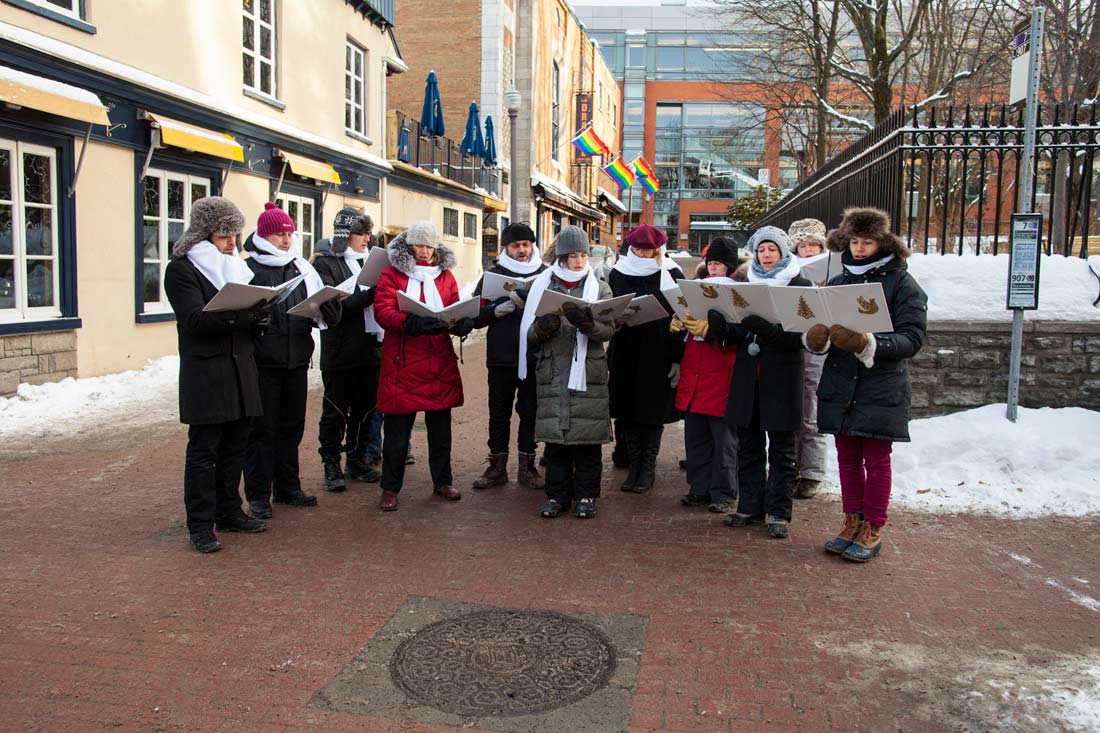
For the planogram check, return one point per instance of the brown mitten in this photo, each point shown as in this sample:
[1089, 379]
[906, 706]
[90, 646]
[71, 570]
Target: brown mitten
[546, 326]
[848, 339]
[817, 337]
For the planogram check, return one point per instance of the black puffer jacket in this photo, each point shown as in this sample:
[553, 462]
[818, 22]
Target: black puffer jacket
[347, 345]
[288, 341]
[502, 339]
[874, 403]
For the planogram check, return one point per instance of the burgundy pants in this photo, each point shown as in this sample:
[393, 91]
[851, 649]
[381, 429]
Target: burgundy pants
[864, 466]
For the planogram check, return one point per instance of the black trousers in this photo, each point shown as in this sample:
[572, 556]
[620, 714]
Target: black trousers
[506, 389]
[271, 458]
[767, 469]
[350, 397]
[212, 472]
[573, 471]
[396, 432]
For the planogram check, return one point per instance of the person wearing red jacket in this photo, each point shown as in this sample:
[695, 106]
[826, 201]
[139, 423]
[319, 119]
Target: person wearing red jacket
[702, 393]
[419, 370]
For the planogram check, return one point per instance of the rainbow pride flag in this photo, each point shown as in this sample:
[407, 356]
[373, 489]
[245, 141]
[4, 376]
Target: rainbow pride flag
[620, 172]
[651, 185]
[590, 143]
[643, 169]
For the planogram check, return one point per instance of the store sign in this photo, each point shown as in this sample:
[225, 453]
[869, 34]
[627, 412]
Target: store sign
[584, 119]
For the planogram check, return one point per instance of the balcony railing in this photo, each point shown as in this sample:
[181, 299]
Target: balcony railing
[441, 156]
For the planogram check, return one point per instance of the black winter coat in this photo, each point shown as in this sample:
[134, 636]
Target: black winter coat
[502, 339]
[874, 403]
[287, 343]
[347, 345]
[779, 365]
[218, 377]
[640, 357]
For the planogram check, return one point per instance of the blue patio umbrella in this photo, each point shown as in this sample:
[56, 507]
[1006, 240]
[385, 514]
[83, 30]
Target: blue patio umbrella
[431, 115]
[472, 143]
[490, 156]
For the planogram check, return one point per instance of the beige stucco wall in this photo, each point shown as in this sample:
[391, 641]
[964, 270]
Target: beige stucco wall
[403, 207]
[109, 340]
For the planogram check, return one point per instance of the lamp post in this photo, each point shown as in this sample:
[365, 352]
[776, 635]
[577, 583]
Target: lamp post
[512, 102]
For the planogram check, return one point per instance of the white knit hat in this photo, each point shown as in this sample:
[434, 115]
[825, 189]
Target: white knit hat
[423, 233]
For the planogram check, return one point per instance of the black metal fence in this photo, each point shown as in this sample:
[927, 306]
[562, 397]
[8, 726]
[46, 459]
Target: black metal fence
[949, 178]
[443, 157]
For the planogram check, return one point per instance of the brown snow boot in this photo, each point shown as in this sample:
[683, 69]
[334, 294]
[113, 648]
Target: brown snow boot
[853, 525]
[528, 473]
[496, 473]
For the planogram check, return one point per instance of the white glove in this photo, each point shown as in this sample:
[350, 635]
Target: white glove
[504, 309]
[516, 298]
[674, 375]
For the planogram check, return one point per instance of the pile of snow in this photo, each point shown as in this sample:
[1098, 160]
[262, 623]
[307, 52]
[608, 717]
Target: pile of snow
[972, 287]
[978, 461]
[58, 406]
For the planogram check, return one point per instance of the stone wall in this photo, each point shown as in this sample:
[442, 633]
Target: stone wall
[964, 364]
[36, 358]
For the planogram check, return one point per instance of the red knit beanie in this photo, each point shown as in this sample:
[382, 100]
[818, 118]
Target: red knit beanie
[273, 221]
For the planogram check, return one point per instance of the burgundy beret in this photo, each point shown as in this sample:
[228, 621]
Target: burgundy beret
[646, 237]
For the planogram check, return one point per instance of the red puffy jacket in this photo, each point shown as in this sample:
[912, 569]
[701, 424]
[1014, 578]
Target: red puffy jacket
[705, 374]
[418, 373]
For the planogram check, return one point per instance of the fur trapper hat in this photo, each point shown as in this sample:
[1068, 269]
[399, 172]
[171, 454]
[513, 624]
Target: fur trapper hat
[517, 232]
[866, 223]
[403, 258]
[212, 215]
[807, 230]
[771, 234]
[723, 250]
[348, 221]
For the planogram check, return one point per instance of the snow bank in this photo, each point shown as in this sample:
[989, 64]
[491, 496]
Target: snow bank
[972, 287]
[58, 406]
[977, 461]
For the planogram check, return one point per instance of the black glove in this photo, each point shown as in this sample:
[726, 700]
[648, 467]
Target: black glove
[763, 328]
[717, 326]
[359, 301]
[546, 326]
[462, 327]
[331, 311]
[581, 318]
[423, 326]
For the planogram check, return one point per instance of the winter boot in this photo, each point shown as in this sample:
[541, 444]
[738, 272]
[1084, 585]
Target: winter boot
[496, 473]
[360, 470]
[807, 488]
[528, 473]
[632, 438]
[620, 456]
[853, 523]
[260, 508]
[866, 545]
[585, 508]
[204, 541]
[294, 497]
[240, 522]
[650, 447]
[552, 508]
[334, 477]
[778, 527]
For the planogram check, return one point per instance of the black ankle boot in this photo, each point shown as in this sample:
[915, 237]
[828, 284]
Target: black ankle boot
[334, 477]
[651, 446]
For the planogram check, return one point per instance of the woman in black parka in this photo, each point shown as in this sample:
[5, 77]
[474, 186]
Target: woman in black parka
[219, 388]
[644, 359]
[864, 394]
[765, 399]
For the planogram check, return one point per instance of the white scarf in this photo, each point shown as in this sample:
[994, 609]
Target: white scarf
[780, 278]
[521, 268]
[422, 279]
[353, 259]
[217, 267]
[268, 254]
[578, 379]
[864, 269]
[632, 264]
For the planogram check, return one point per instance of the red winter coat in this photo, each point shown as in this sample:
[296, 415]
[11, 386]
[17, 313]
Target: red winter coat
[419, 373]
[705, 374]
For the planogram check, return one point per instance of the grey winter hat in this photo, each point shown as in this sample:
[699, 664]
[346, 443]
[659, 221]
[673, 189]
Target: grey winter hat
[213, 215]
[569, 240]
[807, 230]
[771, 234]
[423, 234]
[348, 221]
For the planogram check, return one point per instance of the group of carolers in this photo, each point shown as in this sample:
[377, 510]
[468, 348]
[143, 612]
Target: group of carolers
[755, 399]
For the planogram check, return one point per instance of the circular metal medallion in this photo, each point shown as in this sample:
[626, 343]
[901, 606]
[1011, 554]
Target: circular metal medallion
[503, 663]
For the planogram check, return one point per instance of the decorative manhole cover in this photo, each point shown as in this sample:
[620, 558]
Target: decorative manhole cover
[503, 663]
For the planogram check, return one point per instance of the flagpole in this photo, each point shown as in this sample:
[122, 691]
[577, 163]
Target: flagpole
[630, 209]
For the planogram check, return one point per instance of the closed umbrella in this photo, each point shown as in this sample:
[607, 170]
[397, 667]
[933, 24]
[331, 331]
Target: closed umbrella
[404, 153]
[431, 115]
[490, 156]
[472, 143]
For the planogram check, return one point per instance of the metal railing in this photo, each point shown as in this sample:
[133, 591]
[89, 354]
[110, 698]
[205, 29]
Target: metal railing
[441, 156]
[949, 179]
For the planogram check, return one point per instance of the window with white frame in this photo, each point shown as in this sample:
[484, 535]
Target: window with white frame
[258, 53]
[29, 266]
[300, 209]
[166, 205]
[469, 226]
[450, 222]
[355, 90]
[70, 8]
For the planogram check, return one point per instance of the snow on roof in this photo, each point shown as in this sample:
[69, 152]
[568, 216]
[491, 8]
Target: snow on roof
[539, 179]
[49, 86]
[612, 199]
[119, 70]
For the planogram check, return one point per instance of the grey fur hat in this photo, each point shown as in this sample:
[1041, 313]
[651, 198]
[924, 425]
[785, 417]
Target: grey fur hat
[807, 230]
[423, 234]
[403, 258]
[771, 234]
[348, 221]
[569, 240]
[212, 215]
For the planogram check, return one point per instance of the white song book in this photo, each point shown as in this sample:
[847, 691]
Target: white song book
[467, 308]
[311, 306]
[238, 297]
[644, 309]
[605, 310]
[498, 286]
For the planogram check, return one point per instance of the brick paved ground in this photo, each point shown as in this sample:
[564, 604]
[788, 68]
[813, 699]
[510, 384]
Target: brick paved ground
[109, 620]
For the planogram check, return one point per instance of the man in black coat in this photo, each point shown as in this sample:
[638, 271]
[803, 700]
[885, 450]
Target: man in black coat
[350, 357]
[218, 386]
[520, 258]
